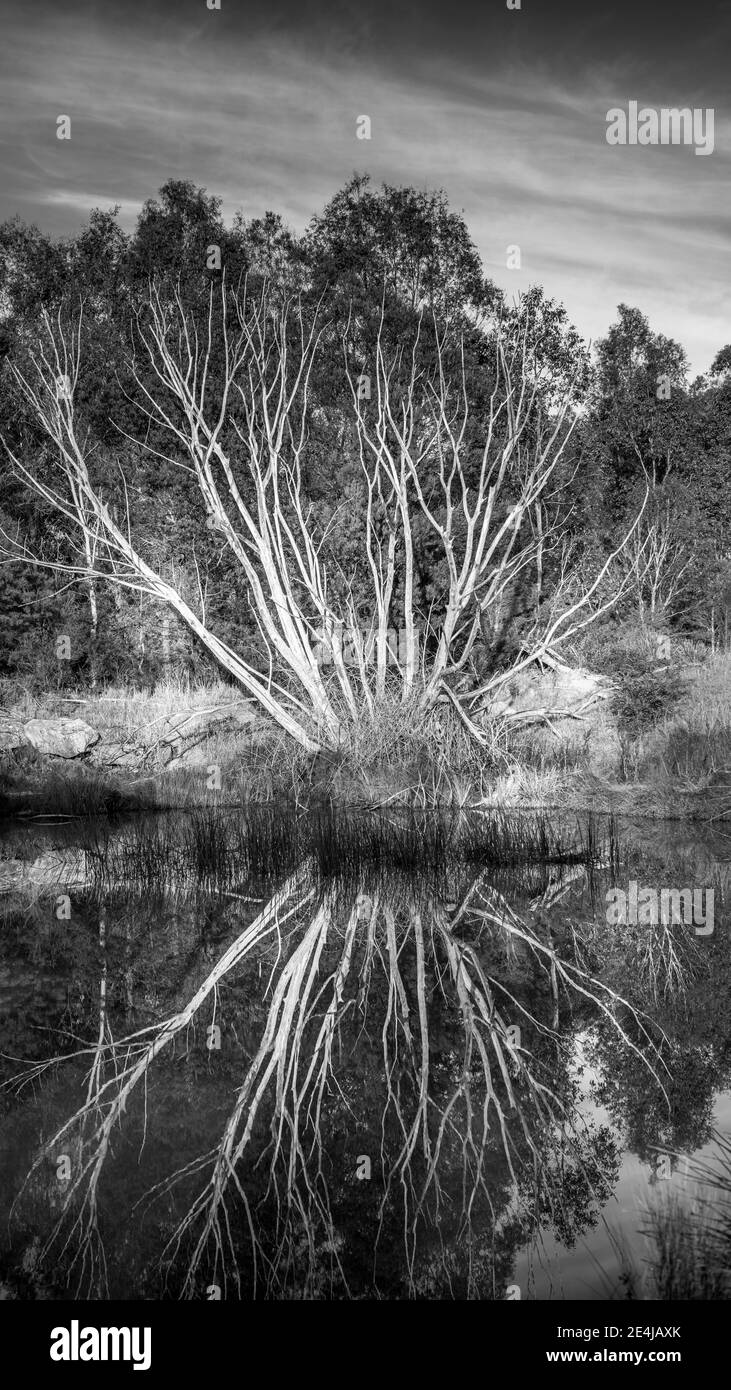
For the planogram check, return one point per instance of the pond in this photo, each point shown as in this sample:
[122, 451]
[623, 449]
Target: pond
[278, 1054]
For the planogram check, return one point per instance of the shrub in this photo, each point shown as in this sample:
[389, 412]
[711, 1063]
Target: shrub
[644, 698]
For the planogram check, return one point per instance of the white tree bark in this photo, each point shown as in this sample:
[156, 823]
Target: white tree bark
[414, 458]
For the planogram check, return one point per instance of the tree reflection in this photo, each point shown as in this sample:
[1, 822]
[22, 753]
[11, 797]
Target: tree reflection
[395, 1110]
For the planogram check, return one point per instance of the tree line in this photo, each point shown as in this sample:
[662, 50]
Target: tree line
[224, 445]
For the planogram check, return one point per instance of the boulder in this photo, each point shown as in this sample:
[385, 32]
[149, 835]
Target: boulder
[197, 724]
[197, 756]
[11, 734]
[184, 733]
[562, 691]
[61, 738]
[565, 708]
[127, 755]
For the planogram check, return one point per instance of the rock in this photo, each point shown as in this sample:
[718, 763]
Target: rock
[12, 735]
[196, 756]
[197, 724]
[184, 737]
[118, 755]
[246, 713]
[61, 738]
[566, 709]
[565, 690]
[52, 869]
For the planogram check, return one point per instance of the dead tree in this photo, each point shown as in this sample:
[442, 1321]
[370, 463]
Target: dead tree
[253, 496]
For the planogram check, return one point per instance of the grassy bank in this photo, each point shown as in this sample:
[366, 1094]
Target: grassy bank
[665, 751]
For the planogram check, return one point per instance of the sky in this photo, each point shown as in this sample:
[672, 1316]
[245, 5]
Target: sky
[504, 109]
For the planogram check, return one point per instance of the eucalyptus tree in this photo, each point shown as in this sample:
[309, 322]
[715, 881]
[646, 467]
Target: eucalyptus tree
[233, 400]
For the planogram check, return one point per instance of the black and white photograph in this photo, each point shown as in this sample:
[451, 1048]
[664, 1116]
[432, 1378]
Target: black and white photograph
[365, 672]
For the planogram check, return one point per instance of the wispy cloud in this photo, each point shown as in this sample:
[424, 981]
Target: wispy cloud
[266, 120]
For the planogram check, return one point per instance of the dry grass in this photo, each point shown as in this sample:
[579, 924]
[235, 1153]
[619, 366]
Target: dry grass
[527, 786]
[120, 712]
[693, 745]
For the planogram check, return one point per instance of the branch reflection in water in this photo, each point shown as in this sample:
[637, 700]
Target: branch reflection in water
[387, 1077]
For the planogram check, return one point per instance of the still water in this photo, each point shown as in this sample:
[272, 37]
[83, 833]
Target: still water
[282, 1055]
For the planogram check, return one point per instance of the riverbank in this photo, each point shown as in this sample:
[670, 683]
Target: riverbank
[116, 750]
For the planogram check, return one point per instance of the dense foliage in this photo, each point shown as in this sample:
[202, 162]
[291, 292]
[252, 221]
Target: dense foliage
[387, 260]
